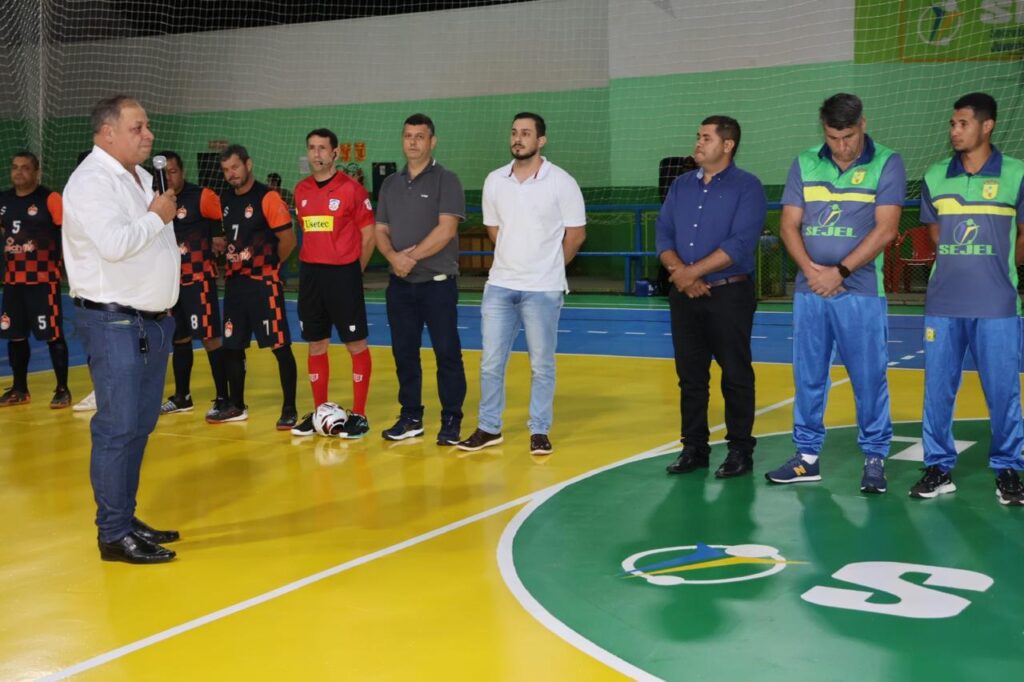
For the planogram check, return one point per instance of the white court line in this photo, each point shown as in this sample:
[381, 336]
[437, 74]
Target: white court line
[636, 333]
[596, 331]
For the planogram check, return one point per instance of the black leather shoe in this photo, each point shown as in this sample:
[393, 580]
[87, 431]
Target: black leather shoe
[735, 464]
[159, 537]
[688, 460]
[134, 550]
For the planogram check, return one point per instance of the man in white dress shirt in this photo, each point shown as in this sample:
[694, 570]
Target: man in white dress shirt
[123, 267]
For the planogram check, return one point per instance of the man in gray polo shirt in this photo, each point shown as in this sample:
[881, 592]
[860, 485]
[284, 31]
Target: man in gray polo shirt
[418, 214]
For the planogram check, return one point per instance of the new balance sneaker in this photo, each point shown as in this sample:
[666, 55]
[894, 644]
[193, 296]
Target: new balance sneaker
[228, 414]
[304, 427]
[795, 470]
[355, 427]
[935, 482]
[289, 417]
[540, 445]
[404, 428]
[177, 404]
[873, 480]
[449, 433]
[479, 440]
[86, 404]
[1009, 489]
[61, 399]
[12, 396]
[219, 404]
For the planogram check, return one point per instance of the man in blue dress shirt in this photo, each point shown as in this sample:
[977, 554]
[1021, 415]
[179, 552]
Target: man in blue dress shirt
[707, 232]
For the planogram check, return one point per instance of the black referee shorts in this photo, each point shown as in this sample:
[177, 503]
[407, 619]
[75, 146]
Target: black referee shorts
[332, 296]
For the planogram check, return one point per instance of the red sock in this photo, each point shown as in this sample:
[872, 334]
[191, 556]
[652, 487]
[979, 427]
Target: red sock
[362, 364]
[319, 376]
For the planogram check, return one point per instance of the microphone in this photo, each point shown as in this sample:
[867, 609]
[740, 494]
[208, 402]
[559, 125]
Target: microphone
[159, 164]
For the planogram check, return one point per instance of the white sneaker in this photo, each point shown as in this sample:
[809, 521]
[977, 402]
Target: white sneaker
[86, 404]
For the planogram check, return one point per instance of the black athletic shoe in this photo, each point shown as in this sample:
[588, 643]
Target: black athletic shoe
[61, 399]
[177, 404]
[935, 482]
[355, 427]
[304, 427]
[218, 405]
[289, 417]
[404, 428]
[449, 433]
[540, 445]
[228, 414]
[1009, 489]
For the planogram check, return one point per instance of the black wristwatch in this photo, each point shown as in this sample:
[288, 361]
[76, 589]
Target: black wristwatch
[843, 270]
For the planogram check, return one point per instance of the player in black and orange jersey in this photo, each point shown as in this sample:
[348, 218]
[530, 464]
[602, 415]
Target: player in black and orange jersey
[258, 230]
[30, 217]
[197, 228]
[337, 224]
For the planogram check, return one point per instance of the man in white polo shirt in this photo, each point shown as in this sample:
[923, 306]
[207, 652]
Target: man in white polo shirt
[123, 269]
[534, 213]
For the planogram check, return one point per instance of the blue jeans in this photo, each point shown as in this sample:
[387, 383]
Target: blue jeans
[502, 311]
[411, 306]
[856, 326]
[129, 386]
[995, 345]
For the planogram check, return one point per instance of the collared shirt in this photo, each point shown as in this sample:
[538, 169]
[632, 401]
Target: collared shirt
[979, 217]
[332, 218]
[727, 213]
[115, 249]
[839, 207]
[531, 218]
[411, 208]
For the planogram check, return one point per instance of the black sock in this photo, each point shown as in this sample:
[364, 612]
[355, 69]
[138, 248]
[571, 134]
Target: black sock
[181, 361]
[234, 370]
[220, 377]
[19, 353]
[289, 375]
[59, 358]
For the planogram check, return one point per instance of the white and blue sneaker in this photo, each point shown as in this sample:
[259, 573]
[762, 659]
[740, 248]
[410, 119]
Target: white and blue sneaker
[873, 480]
[795, 470]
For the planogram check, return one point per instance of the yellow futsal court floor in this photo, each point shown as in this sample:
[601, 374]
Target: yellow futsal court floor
[309, 558]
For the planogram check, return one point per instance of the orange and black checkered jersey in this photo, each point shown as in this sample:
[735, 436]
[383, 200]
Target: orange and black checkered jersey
[195, 224]
[31, 228]
[250, 223]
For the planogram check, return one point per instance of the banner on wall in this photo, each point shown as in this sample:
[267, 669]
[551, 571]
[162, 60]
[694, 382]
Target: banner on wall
[940, 31]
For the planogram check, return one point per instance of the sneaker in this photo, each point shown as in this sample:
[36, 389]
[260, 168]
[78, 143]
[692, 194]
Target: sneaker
[175, 404]
[218, 405]
[1009, 489]
[61, 399]
[304, 427]
[873, 480]
[449, 433]
[289, 417]
[86, 404]
[228, 414]
[795, 470]
[404, 428]
[355, 427]
[935, 482]
[540, 445]
[13, 396]
[479, 440]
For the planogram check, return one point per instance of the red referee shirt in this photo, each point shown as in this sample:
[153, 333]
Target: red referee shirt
[332, 218]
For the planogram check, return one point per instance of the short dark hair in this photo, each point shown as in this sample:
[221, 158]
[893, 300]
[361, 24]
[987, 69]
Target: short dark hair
[26, 154]
[420, 120]
[323, 132]
[983, 105]
[727, 128]
[274, 177]
[234, 150]
[172, 156]
[841, 111]
[109, 110]
[542, 127]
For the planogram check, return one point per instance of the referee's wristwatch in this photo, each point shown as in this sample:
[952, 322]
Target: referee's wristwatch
[843, 270]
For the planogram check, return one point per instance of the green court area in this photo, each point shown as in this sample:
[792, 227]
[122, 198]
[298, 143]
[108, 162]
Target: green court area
[693, 578]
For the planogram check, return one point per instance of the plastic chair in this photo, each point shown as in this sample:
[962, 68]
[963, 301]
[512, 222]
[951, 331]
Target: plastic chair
[922, 254]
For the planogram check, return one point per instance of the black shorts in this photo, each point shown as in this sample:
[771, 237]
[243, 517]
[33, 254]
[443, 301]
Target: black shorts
[254, 306]
[32, 308]
[332, 295]
[197, 312]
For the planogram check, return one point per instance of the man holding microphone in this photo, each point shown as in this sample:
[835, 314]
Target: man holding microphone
[123, 269]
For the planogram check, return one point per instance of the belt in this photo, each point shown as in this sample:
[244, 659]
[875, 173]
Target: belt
[728, 280]
[118, 308]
